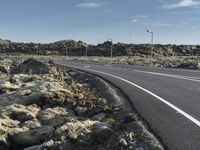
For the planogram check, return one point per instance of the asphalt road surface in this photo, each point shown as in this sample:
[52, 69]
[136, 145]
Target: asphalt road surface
[167, 99]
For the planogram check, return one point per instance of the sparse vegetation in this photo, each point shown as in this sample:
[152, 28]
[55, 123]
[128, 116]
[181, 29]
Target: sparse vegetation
[111, 120]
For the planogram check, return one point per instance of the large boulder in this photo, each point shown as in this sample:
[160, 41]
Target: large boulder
[3, 69]
[32, 137]
[102, 132]
[75, 128]
[32, 124]
[32, 89]
[53, 116]
[31, 66]
[2, 42]
[50, 145]
[198, 66]
[7, 85]
[4, 142]
[19, 113]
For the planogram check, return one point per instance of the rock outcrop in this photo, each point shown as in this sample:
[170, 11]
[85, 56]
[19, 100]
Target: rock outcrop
[73, 48]
[31, 66]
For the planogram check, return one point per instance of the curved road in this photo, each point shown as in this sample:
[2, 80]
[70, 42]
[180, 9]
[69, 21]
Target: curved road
[168, 99]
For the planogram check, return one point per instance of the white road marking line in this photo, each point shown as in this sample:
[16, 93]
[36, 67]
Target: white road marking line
[195, 79]
[108, 65]
[183, 70]
[195, 121]
[189, 78]
[164, 68]
[87, 66]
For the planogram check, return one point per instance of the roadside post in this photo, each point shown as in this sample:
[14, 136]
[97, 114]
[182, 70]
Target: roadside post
[152, 37]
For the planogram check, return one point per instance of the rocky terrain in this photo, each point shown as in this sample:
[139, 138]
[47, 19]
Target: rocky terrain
[48, 107]
[73, 48]
[173, 56]
[185, 62]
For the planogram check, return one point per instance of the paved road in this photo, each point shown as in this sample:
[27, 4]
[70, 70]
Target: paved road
[168, 99]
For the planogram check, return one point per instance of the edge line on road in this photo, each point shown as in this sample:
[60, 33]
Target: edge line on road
[195, 79]
[195, 121]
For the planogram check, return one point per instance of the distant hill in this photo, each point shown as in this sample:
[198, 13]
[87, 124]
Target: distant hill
[4, 41]
[78, 48]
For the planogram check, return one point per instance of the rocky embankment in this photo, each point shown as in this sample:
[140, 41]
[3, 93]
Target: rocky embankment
[44, 106]
[73, 48]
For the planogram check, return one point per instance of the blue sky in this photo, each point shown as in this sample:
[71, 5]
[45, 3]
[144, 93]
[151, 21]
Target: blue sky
[93, 21]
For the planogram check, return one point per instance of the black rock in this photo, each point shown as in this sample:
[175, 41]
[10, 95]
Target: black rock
[31, 66]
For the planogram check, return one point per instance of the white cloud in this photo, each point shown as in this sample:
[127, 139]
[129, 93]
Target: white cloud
[195, 27]
[135, 20]
[160, 24]
[109, 10]
[184, 23]
[192, 19]
[140, 17]
[89, 5]
[182, 4]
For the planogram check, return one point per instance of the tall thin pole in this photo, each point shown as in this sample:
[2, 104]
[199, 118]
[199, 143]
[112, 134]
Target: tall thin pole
[111, 49]
[86, 51]
[149, 31]
[198, 60]
[66, 53]
[151, 47]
